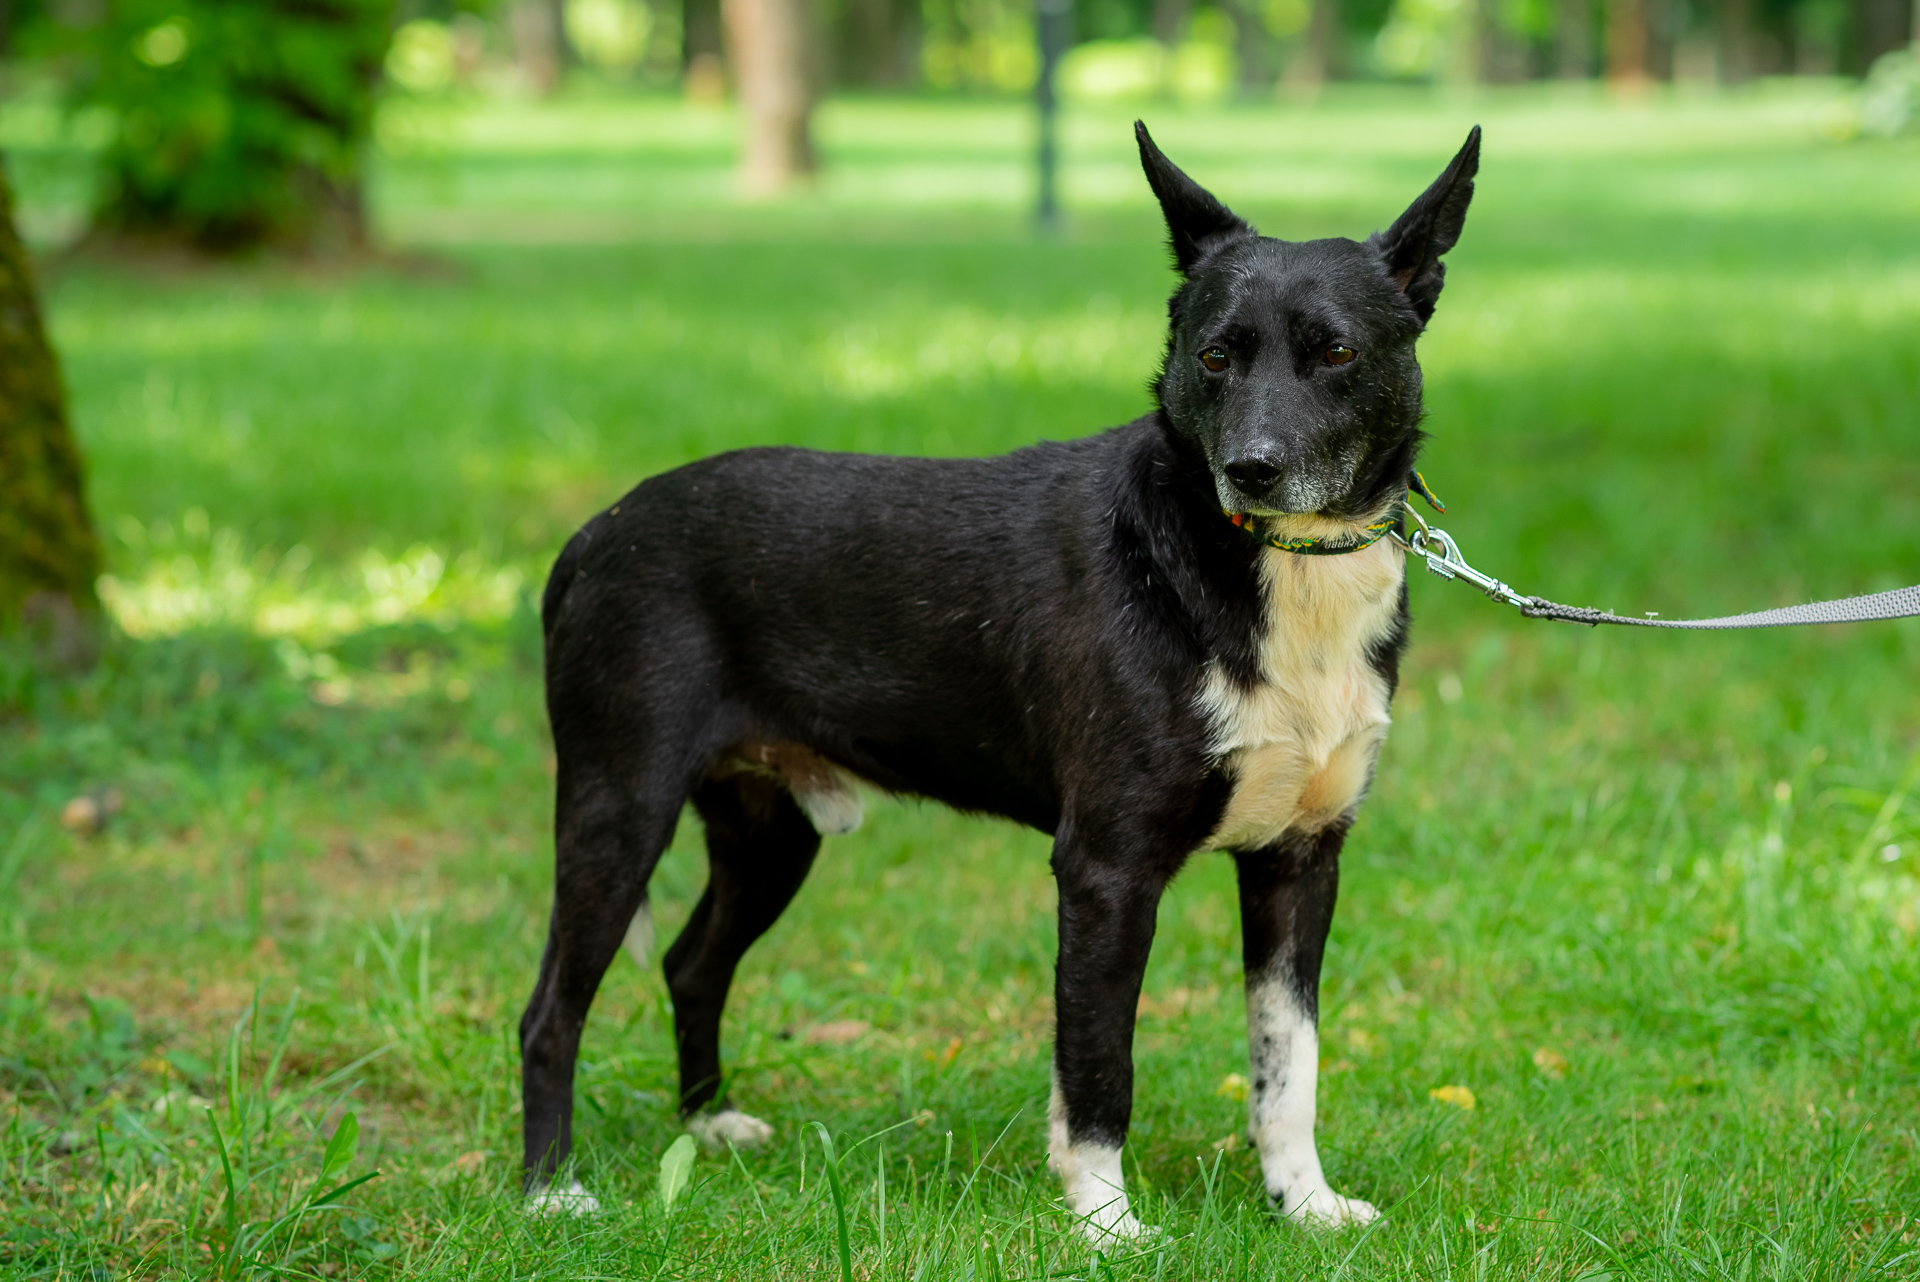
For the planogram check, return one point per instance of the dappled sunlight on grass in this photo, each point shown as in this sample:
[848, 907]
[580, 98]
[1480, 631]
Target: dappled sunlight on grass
[200, 577]
[887, 357]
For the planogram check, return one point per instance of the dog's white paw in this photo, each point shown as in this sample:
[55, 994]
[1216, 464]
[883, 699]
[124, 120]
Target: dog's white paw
[567, 1199]
[729, 1128]
[1120, 1230]
[1322, 1208]
[1095, 1190]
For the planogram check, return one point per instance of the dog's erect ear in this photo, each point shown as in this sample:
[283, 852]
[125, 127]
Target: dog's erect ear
[1196, 222]
[1430, 227]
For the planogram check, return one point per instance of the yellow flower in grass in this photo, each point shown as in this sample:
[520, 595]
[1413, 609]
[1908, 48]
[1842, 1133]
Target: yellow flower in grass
[1458, 1096]
[1232, 1086]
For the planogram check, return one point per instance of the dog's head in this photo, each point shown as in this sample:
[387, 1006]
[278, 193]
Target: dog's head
[1290, 365]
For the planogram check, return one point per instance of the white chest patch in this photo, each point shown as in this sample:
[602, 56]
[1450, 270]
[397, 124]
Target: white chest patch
[1300, 745]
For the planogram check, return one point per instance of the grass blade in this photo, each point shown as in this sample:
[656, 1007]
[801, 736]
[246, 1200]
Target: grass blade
[839, 1202]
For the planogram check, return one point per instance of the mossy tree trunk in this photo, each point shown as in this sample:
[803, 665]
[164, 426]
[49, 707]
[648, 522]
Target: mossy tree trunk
[48, 552]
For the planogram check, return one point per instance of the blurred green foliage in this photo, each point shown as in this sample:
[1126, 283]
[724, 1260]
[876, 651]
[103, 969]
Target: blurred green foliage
[234, 124]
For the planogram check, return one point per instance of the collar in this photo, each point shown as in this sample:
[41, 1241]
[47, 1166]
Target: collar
[1311, 545]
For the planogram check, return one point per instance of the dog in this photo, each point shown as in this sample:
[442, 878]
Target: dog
[1176, 636]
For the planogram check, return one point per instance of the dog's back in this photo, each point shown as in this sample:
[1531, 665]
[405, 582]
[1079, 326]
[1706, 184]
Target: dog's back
[933, 624]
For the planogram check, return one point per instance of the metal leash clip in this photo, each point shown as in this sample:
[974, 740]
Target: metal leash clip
[1443, 558]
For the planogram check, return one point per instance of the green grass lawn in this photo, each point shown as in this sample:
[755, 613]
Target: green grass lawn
[1651, 898]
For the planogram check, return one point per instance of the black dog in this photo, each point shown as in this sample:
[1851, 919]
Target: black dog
[1136, 642]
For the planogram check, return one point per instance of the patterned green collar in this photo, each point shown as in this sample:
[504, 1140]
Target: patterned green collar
[1313, 545]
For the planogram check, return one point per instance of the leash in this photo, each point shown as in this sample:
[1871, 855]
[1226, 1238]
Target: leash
[1442, 555]
[1443, 558]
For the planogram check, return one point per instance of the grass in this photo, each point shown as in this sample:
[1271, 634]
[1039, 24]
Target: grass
[1651, 899]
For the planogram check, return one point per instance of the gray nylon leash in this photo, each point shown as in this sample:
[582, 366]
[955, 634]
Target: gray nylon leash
[1443, 558]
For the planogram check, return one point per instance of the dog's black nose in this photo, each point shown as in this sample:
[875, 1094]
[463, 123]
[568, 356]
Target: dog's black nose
[1253, 476]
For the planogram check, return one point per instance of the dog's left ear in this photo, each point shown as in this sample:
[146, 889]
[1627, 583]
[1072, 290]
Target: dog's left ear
[1430, 227]
[1197, 224]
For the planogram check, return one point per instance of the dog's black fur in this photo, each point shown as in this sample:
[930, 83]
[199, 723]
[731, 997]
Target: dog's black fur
[1021, 636]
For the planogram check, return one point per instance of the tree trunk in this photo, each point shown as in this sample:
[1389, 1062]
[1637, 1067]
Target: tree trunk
[878, 44]
[1170, 20]
[1627, 44]
[1665, 18]
[1474, 59]
[1879, 27]
[1573, 39]
[702, 69]
[1733, 41]
[48, 553]
[772, 64]
[1313, 61]
[539, 40]
[1253, 46]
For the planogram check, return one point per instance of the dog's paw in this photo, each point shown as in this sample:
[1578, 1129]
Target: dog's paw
[729, 1128]
[1120, 1229]
[1322, 1208]
[566, 1199]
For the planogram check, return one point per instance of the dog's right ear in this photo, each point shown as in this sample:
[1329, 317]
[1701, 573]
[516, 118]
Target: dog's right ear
[1197, 224]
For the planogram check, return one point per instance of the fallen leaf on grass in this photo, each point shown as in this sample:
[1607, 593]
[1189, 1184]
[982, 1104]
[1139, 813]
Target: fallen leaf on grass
[88, 813]
[1550, 1062]
[82, 815]
[178, 1100]
[1228, 1144]
[1458, 1096]
[676, 1169]
[1232, 1086]
[836, 1032]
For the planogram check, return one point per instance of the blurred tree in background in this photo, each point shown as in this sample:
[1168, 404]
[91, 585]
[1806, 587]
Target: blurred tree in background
[538, 28]
[774, 48]
[235, 124]
[876, 43]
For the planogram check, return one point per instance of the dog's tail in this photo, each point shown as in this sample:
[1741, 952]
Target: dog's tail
[564, 570]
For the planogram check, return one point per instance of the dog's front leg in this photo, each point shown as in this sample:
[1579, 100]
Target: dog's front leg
[1106, 931]
[1286, 906]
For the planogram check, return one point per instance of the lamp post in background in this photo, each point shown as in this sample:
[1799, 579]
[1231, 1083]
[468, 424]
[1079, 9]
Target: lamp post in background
[1054, 29]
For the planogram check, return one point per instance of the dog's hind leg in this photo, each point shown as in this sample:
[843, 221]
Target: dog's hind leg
[760, 846]
[1287, 893]
[609, 833]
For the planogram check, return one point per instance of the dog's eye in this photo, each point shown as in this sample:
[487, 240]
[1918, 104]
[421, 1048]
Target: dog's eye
[1340, 354]
[1215, 359]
